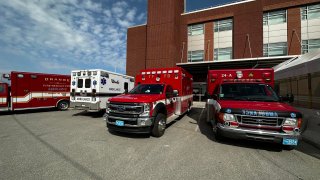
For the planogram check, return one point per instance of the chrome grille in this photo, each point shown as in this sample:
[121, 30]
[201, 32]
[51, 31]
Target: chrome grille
[260, 121]
[126, 108]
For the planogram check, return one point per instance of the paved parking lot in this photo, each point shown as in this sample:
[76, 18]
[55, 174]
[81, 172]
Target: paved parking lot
[77, 145]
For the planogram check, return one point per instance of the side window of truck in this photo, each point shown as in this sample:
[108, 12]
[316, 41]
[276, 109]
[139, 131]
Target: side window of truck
[1, 88]
[169, 92]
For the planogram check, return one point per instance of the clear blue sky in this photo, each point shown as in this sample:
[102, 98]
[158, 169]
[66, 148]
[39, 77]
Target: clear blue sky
[57, 36]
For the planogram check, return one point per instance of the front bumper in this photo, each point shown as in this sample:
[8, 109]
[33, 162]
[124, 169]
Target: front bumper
[131, 125]
[255, 134]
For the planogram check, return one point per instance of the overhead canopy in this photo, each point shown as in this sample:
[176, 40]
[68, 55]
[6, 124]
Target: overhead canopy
[201, 68]
[302, 65]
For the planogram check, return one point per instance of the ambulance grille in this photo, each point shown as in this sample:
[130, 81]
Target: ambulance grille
[260, 121]
[126, 108]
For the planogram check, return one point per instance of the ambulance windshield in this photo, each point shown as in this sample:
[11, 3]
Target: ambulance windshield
[248, 92]
[148, 89]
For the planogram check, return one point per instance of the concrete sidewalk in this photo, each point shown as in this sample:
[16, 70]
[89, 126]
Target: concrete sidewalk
[311, 126]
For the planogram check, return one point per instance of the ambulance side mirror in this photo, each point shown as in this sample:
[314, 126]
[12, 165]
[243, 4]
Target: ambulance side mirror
[175, 93]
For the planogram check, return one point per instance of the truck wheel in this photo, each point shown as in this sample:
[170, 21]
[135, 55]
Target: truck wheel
[63, 105]
[159, 125]
[218, 135]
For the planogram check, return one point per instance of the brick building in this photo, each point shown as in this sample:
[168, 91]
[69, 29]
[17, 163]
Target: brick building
[243, 34]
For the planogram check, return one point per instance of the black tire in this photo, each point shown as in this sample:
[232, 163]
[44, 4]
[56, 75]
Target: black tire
[218, 135]
[63, 105]
[159, 125]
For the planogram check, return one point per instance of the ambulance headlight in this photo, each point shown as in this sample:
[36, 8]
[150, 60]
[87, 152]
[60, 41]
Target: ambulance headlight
[107, 107]
[229, 117]
[290, 122]
[146, 107]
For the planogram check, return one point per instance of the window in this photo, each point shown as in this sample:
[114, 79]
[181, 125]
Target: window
[310, 12]
[196, 29]
[275, 17]
[126, 87]
[169, 92]
[147, 89]
[223, 53]
[195, 56]
[309, 45]
[87, 83]
[223, 25]
[2, 88]
[275, 49]
[80, 83]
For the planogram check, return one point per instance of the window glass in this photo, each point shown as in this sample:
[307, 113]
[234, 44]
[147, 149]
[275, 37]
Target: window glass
[275, 17]
[223, 53]
[247, 92]
[223, 25]
[169, 91]
[310, 12]
[275, 49]
[80, 83]
[195, 56]
[310, 45]
[148, 89]
[2, 89]
[196, 29]
[87, 83]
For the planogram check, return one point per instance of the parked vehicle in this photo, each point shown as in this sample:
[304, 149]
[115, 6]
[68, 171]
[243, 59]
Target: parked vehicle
[90, 89]
[28, 90]
[243, 105]
[159, 97]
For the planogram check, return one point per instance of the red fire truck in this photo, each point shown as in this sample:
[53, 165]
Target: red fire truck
[27, 90]
[243, 105]
[160, 96]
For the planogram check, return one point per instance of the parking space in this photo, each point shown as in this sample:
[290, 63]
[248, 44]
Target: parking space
[76, 145]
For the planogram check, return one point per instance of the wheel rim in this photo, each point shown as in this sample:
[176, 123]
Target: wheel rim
[63, 106]
[162, 125]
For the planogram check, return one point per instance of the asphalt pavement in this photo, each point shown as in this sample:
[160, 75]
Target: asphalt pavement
[76, 145]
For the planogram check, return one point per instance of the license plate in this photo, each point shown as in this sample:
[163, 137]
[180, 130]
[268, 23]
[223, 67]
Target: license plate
[290, 141]
[119, 123]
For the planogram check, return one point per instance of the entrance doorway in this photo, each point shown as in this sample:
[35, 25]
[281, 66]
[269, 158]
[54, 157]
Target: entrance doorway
[199, 90]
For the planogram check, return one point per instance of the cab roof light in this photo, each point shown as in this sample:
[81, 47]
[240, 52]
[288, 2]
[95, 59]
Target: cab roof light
[164, 72]
[143, 73]
[170, 71]
[158, 72]
[176, 71]
[153, 72]
[148, 72]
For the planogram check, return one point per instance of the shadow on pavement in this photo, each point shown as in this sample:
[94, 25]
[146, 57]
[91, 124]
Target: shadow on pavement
[98, 114]
[28, 111]
[130, 135]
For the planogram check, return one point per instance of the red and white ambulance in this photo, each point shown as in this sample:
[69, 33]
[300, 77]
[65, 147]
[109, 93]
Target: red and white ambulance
[243, 105]
[159, 97]
[28, 90]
